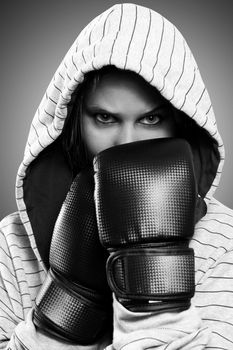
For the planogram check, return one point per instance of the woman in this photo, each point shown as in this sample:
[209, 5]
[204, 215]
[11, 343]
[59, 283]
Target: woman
[159, 94]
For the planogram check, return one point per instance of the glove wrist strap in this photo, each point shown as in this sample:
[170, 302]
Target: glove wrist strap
[157, 277]
[67, 314]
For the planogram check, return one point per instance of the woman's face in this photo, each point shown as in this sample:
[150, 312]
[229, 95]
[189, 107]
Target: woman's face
[123, 108]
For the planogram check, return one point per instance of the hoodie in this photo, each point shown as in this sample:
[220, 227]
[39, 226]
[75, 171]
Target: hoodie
[135, 38]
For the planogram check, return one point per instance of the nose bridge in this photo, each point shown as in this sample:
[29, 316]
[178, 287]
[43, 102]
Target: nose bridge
[127, 133]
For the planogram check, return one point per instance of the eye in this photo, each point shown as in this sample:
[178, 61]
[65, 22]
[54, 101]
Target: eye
[152, 119]
[104, 118]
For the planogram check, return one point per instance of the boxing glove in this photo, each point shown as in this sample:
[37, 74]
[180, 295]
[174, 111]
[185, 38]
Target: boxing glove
[75, 302]
[145, 197]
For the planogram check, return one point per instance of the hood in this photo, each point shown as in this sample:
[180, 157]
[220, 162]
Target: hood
[130, 37]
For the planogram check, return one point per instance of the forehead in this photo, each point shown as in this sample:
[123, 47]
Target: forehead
[123, 87]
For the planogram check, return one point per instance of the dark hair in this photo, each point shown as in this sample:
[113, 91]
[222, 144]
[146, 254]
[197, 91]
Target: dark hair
[72, 142]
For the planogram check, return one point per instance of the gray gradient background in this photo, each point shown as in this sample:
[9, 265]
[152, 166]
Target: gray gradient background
[35, 35]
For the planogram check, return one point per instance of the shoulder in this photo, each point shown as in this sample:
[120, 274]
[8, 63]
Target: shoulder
[9, 220]
[218, 221]
[217, 226]
[11, 230]
[215, 230]
[213, 238]
[18, 263]
[13, 235]
[219, 211]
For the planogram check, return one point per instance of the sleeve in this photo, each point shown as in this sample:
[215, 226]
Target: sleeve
[11, 303]
[173, 331]
[17, 331]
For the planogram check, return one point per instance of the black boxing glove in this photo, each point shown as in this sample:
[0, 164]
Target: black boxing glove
[145, 199]
[75, 301]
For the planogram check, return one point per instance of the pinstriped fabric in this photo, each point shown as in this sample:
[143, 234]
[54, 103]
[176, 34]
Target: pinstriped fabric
[213, 246]
[21, 275]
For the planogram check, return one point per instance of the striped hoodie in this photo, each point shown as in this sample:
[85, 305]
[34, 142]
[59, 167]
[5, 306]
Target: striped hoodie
[135, 38]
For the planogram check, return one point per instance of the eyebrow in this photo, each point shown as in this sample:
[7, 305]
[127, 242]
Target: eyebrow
[97, 108]
[157, 108]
